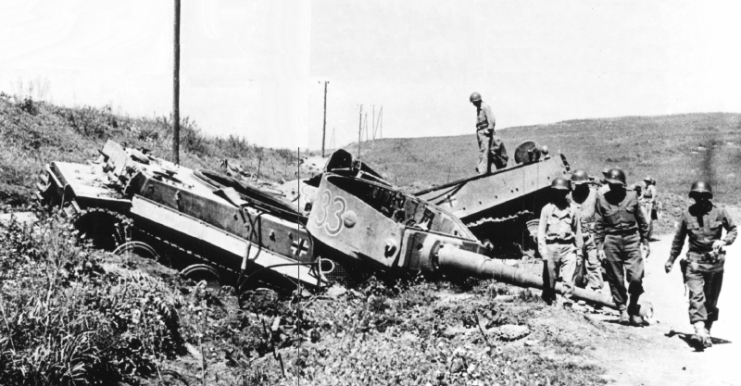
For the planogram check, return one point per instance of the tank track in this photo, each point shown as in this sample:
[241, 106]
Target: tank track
[105, 228]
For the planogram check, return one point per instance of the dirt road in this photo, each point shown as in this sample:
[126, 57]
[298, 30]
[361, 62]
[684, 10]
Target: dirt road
[644, 356]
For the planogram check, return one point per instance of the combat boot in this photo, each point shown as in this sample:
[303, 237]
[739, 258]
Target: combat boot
[702, 335]
[624, 317]
[709, 326]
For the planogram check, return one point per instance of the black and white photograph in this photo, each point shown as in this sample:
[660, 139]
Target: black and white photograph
[375, 192]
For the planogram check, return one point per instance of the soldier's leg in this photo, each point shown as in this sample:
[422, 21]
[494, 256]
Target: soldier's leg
[483, 141]
[614, 268]
[594, 267]
[634, 271]
[567, 265]
[695, 282]
[713, 284]
[549, 276]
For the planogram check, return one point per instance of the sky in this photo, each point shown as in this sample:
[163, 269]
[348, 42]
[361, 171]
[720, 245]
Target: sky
[256, 69]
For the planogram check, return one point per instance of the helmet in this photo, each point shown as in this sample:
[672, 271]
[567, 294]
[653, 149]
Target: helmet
[615, 176]
[560, 183]
[700, 187]
[579, 177]
[605, 172]
[648, 179]
[475, 97]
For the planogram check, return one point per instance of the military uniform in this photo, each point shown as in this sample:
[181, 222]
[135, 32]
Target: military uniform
[619, 230]
[648, 204]
[703, 269]
[491, 147]
[559, 242]
[588, 215]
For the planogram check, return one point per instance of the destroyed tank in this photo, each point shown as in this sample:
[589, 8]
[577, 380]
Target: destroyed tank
[341, 224]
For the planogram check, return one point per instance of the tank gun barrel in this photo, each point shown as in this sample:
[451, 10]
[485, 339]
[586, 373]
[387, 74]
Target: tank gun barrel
[451, 258]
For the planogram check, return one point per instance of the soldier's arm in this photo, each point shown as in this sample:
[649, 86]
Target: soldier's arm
[678, 242]
[541, 231]
[641, 220]
[579, 237]
[599, 225]
[730, 227]
[491, 122]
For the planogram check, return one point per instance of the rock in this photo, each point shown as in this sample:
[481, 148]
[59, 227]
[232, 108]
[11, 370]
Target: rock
[529, 343]
[471, 369]
[457, 365]
[336, 291]
[513, 332]
[408, 337]
[25, 219]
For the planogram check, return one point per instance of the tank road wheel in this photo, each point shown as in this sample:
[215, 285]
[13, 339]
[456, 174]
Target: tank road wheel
[532, 229]
[137, 248]
[203, 273]
[105, 229]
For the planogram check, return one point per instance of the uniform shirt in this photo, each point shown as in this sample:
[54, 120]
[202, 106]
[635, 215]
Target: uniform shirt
[703, 226]
[562, 225]
[485, 118]
[587, 210]
[618, 215]
[649, 193]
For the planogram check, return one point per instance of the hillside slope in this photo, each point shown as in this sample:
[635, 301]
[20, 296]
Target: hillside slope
[34, 133]
[674, 149]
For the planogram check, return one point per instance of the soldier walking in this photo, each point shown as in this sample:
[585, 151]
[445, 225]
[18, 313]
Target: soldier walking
[619, 231]
[703, 223]
[491, 147]
[585, 200]
[560, 242]
[648, 203]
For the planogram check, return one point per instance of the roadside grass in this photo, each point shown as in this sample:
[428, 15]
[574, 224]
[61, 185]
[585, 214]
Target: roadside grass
[33, 133]
[75, 316]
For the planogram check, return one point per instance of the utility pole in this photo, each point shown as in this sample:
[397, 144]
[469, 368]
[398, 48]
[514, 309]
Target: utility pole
[176, 87]
[360, 129]
[324, 126]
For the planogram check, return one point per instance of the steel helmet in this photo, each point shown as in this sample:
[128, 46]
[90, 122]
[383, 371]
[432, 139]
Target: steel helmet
[605, 172]
[615, 176]
[701, 187]
[560, 183]
[475, 97]
[648, 179]
[579, 177]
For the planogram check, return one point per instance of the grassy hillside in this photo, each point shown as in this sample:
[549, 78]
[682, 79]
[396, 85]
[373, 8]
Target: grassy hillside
[674, 149]
[34, 133]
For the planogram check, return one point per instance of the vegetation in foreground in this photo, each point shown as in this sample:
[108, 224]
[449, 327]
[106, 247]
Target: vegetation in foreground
[75, 316]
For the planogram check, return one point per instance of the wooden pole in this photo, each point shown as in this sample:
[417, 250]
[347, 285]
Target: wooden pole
[360, 129]
[176, 87]
[324, 126]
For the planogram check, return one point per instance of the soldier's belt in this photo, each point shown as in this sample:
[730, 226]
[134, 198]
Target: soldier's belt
[560, 241]
[621, 232]
[705, 257]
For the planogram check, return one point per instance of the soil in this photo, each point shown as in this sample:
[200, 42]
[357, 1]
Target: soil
[645, 356]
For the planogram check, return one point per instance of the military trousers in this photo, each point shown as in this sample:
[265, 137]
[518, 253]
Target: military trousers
[491, 151]
[623, 261]
[589, 268]
[704, 288]
[559, 261]
[648, 209]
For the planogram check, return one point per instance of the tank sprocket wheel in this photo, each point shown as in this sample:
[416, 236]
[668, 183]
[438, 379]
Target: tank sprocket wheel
[104, 228]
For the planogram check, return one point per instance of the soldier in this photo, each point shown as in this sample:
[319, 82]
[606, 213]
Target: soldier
[560, 241]
[585, 199]
[604, 187]
[703, 268]
[648, 203]
[491, 147]
[619, 230]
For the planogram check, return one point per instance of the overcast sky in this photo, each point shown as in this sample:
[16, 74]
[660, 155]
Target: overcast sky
[254, 68]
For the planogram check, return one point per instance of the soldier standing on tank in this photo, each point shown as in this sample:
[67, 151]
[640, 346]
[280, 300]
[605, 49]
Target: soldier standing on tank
[585, 200]
[491, 147]
[620, 229]
[703, 222]
[560, 242]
